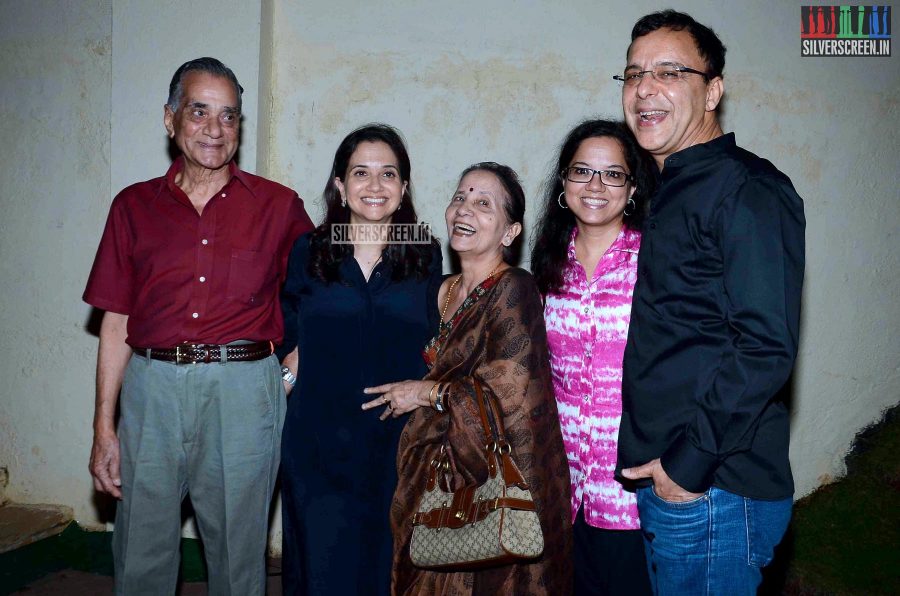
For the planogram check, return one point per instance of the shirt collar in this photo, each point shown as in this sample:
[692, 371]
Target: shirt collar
[235, 172]
[700, 152]
[628, 240]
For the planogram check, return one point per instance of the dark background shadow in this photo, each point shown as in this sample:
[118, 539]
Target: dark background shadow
[93, 320]
[776, 574]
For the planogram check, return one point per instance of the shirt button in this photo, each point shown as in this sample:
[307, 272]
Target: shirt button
[586, 310]
[195, 315]
[202, 279]
[587, 398]
[378, 274]
[224, 194]
[653, 226]
[204, 241]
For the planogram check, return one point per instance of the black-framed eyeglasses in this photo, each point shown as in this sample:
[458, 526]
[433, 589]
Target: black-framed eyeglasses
[583, 175]
[663, 73]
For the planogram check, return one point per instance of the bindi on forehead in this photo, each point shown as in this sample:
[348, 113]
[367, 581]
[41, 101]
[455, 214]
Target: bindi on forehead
[471, 189]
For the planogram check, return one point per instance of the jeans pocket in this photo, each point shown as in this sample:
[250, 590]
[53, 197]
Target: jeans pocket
[680, 504]
[675, 530]
[767, 521]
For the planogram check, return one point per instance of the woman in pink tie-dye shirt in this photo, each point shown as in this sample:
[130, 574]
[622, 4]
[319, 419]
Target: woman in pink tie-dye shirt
[585, 262]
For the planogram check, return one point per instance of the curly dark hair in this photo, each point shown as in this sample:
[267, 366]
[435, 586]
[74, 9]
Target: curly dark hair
[551, 240]
[325, 257]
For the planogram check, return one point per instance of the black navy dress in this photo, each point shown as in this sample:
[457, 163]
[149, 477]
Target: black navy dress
[338, 463]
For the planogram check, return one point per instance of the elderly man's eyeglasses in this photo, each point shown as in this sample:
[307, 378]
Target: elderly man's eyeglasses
[582, 175]
[663, 73]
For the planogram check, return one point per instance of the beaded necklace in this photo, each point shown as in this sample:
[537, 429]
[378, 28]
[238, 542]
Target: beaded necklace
[453, 286]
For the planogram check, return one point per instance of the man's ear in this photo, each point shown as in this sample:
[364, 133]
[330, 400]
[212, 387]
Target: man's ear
[714, 92]
[169, 121]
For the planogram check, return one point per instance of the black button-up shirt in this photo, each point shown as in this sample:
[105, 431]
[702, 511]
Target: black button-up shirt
[714, 325]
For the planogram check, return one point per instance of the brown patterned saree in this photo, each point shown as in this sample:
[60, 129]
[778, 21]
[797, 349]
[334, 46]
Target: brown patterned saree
[497, 336]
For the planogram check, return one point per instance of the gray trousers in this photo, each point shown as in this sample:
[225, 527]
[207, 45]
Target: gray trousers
[209, 430]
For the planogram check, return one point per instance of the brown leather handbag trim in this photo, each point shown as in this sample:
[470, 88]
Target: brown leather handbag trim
[460, 513]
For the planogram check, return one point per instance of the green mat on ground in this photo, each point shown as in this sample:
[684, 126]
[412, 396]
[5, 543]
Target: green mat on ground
[78, 549]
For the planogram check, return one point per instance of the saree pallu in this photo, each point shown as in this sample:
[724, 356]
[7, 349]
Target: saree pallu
[497, 336]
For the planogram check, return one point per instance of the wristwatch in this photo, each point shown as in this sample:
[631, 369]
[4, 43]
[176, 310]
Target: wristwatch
[288, 376]
[439, 400]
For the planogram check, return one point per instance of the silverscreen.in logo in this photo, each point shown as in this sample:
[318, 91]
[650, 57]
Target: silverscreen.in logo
[417, 233]
[840, 30]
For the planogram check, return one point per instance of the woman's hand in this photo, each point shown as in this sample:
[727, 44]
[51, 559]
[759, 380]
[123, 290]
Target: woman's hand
[400, 397]
[292, 361]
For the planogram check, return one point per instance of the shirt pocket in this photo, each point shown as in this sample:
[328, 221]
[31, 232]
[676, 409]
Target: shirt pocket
[250, 276]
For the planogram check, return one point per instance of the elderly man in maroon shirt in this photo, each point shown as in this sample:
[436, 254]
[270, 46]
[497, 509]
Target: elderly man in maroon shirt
[188, 272]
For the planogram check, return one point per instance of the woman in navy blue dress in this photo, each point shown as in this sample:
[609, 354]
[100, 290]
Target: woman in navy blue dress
[359, 306]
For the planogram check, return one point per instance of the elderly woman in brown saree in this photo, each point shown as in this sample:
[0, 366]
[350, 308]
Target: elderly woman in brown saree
[492, 330]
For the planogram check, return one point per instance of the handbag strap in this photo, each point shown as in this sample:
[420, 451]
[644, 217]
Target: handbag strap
[492, 432]
[497, 445]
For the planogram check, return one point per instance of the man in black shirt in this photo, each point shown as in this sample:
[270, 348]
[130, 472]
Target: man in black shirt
[714, 325]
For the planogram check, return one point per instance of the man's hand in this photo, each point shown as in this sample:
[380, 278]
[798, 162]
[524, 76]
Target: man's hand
[664, 487]
[104, 464]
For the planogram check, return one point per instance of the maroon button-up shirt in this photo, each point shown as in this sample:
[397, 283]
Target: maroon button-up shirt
[185, 277]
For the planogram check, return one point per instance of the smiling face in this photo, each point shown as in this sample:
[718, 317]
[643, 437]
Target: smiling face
[372, 186]
[593, 203]
[667, 117]
[207, 124]
[476, 218]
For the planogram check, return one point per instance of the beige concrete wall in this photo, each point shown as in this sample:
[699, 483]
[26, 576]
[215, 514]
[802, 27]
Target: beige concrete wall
[150, 39]
[473, 80]
[54, 165]
[83, 88]
[83, 84]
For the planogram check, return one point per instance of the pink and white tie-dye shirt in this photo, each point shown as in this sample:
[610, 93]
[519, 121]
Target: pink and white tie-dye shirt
[587, 325]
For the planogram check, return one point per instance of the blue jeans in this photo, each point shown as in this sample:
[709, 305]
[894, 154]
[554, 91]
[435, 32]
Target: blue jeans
[716, 544]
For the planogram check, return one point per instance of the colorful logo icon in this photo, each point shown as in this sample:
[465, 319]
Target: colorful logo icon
[845, 30]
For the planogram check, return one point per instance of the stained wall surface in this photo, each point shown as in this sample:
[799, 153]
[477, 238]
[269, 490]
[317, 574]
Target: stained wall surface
[81, 92]
[55, 169]
[469, 80]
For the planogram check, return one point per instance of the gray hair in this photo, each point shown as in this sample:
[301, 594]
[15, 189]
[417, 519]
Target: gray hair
[207, 65]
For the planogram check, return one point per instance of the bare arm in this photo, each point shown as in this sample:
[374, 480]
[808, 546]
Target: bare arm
[112, 357]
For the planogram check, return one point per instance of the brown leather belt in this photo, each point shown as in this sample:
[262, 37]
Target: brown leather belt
[206, 353]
